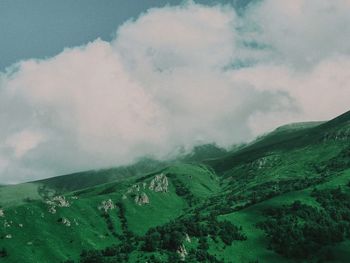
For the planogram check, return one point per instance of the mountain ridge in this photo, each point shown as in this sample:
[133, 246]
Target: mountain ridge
[212, 206]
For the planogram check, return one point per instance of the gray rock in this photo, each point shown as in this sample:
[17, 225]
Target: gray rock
[159, 183]
[141, 199]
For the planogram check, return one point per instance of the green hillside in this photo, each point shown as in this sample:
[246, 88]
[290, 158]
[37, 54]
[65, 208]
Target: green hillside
[283, 198]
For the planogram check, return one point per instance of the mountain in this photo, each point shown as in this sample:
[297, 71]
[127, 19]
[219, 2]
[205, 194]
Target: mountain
[285, 197]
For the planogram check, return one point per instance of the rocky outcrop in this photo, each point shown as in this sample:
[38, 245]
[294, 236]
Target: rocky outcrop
[182, 252]
[7, 224]
[141, 199]
[61, 201]
[134, 189]
[57, 201]
[106, 205]
[2, 213]
[159, 183]
[265, 162]
[65, 221]
[52, 210]
[138, 191]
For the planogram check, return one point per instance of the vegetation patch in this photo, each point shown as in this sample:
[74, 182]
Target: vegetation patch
[302, 231]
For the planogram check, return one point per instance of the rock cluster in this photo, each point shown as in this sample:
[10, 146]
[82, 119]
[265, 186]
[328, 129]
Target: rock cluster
[137, 191]
[265, 162]
[56, 201]
[61, 201]
[106, 205]
[133, 189]
[159, 183]
[141, 199]
[182, 252]
[7, 224]
[65, 222]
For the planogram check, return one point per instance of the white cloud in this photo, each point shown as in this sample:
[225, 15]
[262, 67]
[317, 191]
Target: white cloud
[23, 142]
[170, 79]
[301, 32]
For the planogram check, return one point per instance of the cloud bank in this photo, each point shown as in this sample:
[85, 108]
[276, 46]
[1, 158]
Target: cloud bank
[176, 76]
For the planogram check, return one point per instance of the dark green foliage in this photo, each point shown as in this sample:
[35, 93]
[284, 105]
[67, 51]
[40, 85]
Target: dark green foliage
[302, 231]
[182, 190]
[229, 232]
[203, 243]
[168, 237]
[171, 236]
[341, 161]
[3, 253]
[108, 190]
[201, 255]
[91, 256]
[109, 223]
[116, 253]
[121, 215]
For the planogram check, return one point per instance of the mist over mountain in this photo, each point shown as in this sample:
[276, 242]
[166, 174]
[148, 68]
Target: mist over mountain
[174, 77]
[284, 197]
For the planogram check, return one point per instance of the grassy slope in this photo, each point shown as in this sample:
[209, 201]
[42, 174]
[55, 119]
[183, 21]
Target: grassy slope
[255, 248]
[287, 154]
[42, 237]
[15, 194]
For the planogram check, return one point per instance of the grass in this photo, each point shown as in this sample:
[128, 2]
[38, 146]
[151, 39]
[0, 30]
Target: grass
[255, 247]
[16, 194]
[282, 157]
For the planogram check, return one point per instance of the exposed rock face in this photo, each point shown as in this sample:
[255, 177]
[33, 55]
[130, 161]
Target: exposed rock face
[137, 191]
[57, 201]
[159, 183]
[61, 201]
[134, 189]
[187, 238]
[265, 162]
[106, 205]
[2, 214]
[141, 199]
[65, 221]
[182, 252]
[52, 210]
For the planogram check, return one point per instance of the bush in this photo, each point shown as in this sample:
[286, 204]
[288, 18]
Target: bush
[301, 231]
[3, 253]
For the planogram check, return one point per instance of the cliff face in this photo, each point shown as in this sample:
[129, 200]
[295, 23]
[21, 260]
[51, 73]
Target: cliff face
[159, 183]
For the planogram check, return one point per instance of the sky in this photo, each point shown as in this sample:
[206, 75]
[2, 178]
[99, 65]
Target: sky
[87, 86]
